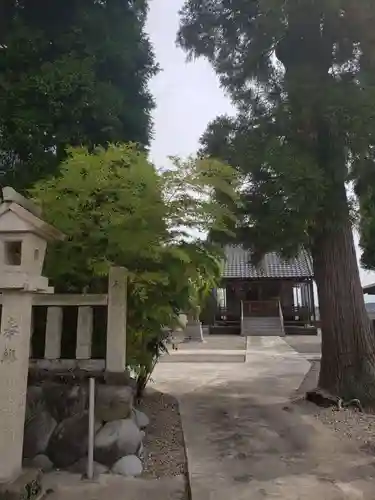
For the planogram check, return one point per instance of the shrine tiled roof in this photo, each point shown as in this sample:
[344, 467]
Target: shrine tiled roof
[238, 265]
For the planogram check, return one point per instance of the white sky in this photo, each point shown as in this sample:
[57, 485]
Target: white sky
[188, 95]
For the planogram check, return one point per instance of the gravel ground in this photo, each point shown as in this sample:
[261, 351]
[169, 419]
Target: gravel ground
[352, 424]
[164, 442]
[347, 423]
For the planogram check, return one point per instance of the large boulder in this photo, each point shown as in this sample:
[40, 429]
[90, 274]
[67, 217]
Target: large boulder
[113, 402]
[140, 418]
[64, 401]
[69, 442]
[37, 433]
[129, 466]
[115, 440]
[42, 462]
[34, 401]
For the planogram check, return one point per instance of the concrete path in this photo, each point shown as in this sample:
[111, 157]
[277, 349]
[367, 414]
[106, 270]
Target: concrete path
[244, 443]
[307, 345]
[66, 486]
[214, 349]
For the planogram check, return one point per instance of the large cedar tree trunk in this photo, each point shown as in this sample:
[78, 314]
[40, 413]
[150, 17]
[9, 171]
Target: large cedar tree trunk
[348, 342]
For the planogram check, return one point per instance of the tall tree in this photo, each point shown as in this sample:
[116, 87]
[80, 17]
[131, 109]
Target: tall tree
[302, 76]
[72, 72]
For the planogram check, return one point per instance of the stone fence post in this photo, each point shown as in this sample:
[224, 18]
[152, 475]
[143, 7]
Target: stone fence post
[116, 320]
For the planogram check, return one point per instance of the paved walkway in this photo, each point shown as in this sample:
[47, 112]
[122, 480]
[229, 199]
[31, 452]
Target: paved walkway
[243, 443]
[68, 486]
[307, 345]
[215, 349]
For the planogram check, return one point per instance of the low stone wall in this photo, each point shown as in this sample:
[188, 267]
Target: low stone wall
[56, 424]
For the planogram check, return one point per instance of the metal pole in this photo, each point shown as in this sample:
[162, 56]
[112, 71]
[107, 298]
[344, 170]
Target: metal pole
[90, 457]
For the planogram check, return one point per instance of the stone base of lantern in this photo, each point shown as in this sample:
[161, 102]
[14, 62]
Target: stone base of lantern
[194, 332]
[27, 486]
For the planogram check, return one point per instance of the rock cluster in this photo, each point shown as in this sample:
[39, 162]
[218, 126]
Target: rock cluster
[56, 428]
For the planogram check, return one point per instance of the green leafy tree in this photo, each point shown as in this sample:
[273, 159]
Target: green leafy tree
[186, 274]
[72, 72]
[117, 210]
[190, 189]
[200, 196]
[109, 205]
[302, 77]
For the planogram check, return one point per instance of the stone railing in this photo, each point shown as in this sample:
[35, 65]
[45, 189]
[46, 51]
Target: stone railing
[114, 359]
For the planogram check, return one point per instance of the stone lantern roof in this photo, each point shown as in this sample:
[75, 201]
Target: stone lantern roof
[28, 214]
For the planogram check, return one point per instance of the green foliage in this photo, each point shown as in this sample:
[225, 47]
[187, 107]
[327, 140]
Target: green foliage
[277, 179]
[185, 275]
[110, 206]
[117, 210]
[144, 351]
[302, 77]
[72, 73]
[364, 188]
[190, 192]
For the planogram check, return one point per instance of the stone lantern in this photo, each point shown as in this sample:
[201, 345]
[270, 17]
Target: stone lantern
[23, 242]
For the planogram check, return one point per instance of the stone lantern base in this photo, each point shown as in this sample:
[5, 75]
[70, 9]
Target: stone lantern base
[193, 331]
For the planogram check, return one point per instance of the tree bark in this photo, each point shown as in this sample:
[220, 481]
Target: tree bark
[348, 343]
